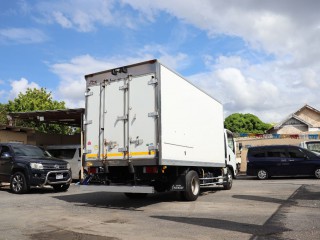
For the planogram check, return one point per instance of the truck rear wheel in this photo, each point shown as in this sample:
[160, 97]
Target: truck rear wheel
[192, 186]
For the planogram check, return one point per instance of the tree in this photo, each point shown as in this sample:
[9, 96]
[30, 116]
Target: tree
[245, 123]
[37, 100]
[3, 114]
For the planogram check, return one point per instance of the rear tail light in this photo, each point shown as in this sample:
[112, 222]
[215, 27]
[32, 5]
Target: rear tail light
[150, 169]
[92, 170]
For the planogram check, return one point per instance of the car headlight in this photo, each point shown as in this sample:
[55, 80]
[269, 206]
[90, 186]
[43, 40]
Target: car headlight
[36, 165]
[68, 166]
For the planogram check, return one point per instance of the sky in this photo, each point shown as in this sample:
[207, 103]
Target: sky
[258, 57]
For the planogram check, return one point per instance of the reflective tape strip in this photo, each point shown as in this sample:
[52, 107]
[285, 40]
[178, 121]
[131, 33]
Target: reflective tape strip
[121, 154]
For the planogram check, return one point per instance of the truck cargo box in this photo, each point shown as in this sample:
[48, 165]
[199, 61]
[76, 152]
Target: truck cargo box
[146, 114]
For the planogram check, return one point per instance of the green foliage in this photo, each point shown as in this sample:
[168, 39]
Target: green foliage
[245, 123]
[37, 100]
[3, 114]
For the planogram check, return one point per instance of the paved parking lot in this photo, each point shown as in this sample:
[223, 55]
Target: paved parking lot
[282, 208]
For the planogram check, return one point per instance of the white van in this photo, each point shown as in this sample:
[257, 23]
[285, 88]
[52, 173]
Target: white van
[71, 154]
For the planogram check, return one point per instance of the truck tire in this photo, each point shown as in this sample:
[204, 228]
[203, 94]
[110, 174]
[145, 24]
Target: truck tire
[61, 187]
[227, 185]
[18, 183]
[262, 174]
[136, 195]
[192, 186]
[317, 173]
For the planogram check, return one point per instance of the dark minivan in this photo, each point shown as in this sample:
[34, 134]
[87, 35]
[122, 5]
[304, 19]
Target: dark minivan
[281, 160]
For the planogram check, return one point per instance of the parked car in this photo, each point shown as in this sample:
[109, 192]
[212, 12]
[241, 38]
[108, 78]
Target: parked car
[71, 154]
[313, 146]
[282, 160]
[24, 166]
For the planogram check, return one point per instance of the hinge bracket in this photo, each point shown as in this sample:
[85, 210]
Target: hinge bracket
[153, 114]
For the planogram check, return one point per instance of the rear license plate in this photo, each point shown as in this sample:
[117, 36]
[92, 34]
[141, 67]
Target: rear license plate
[59, 176]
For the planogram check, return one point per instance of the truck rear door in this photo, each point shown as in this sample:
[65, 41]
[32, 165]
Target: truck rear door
[122, 119]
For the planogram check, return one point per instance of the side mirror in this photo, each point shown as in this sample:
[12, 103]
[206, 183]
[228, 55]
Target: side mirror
[6, 155]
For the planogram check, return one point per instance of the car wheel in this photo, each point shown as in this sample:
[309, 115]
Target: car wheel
[18, 183]
[61, 187]
[228, 184]
[192, 186]
[317, 173]
[262, 174]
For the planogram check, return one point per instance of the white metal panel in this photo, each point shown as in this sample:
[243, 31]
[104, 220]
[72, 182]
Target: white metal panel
[92, 122]
[114, 114]
[191, 123]
[142, 126]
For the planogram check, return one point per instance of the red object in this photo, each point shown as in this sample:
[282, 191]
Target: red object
[151, 169]
[92, 170]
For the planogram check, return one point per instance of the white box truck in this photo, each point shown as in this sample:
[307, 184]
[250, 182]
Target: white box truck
[148, 129]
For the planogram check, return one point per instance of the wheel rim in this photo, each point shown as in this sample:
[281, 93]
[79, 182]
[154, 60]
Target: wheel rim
[262, 174]
[317, 173]
[17, 183]
[194, 186]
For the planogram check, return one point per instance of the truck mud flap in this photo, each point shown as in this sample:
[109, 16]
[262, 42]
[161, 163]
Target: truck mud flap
[180, 184]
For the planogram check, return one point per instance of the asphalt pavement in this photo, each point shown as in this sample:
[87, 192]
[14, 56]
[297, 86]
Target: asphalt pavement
[279, 208]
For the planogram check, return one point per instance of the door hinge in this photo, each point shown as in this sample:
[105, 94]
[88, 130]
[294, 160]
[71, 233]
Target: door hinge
[87, 94]
[122, 149]
[87, 122]
[124, 87]
[153, 81]
[120, 118]
[153, 114]
[152, 148]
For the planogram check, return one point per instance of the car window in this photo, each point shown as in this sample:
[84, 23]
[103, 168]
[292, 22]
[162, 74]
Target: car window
[276, 153]
[28, 151]
[62, 153]
[295, 153]
[257, 153]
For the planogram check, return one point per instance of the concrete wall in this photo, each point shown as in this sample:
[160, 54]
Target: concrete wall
[12, 136]
[40, 139]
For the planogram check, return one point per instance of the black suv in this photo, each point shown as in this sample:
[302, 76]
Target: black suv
[282, 160]
[24, 166]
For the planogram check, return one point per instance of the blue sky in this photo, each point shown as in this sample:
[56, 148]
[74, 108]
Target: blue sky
[259, 57]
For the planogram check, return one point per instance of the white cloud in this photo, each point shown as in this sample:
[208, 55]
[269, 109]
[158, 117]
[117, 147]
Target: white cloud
[82, 15]
[21, 86]
[71, 73]
[22, 35]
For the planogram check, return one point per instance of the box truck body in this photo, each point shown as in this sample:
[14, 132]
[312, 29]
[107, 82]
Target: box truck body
[146, 127]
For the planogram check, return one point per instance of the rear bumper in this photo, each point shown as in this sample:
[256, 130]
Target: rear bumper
[115, 188]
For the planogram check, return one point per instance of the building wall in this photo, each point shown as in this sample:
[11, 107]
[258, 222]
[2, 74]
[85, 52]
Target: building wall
[11, 136]
[292, 129]
[309, 116]
[43, 139]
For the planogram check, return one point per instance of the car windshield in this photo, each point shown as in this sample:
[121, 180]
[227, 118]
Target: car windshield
[314, 146]
[29, 151]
